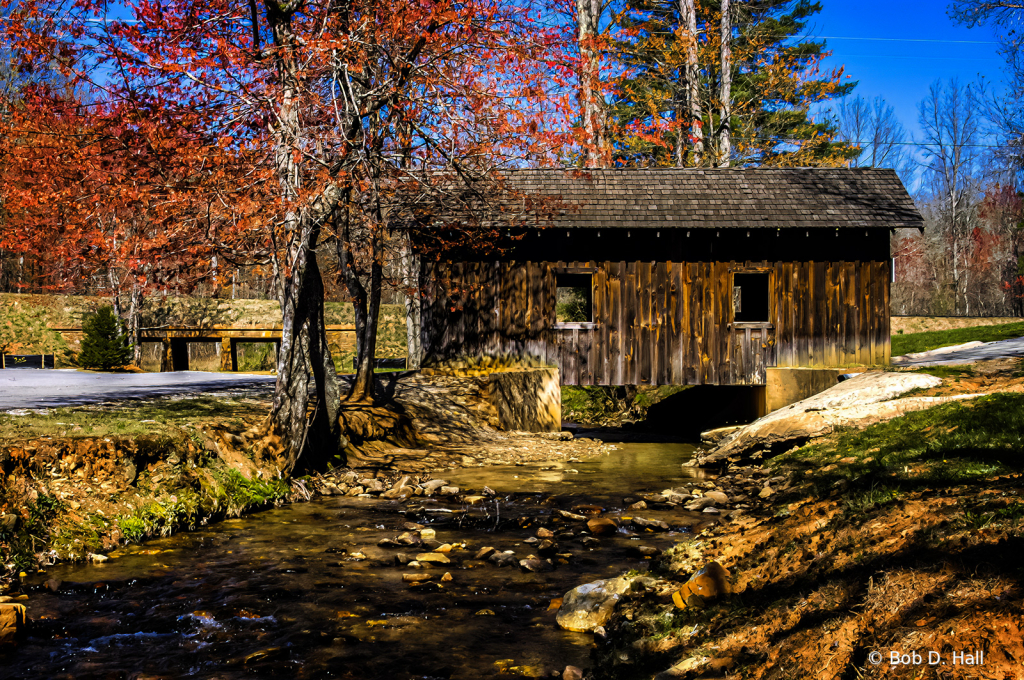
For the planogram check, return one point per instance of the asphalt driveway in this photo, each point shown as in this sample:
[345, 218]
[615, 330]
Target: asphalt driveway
[964, 354]
[29, 388]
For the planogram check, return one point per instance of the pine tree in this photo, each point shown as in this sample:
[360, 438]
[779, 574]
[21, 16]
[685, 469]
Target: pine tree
[775, 80]
[105, 342]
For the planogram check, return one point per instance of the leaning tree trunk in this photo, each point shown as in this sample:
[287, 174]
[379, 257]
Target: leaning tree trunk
[304, 350]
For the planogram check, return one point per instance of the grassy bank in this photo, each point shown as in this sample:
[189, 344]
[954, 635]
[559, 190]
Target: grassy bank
[84, 480]
[900, 537]
[907, 343]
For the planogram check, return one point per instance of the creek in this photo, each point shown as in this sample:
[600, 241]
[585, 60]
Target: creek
[304, 591]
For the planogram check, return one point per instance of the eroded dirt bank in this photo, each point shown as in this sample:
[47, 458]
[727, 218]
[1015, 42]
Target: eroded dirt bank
[78, 482]
[904, 537]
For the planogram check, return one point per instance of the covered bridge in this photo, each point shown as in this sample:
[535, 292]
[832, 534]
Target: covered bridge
[681, 277]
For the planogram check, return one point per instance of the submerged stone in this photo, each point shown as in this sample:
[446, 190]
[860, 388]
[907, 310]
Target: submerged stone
[600, 526]
[590, 605]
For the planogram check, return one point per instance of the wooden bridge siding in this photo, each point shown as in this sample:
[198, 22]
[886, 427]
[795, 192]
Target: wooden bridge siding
[667, 322]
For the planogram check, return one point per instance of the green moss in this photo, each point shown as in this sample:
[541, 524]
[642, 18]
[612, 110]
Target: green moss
[76, 540]
[19, 546]
[907, 343]
[232, 494]
[229, 495]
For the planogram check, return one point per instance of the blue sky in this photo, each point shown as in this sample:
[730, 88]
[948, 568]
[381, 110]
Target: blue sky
[921, 44]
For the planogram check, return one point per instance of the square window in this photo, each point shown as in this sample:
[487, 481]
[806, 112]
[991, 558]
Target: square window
[574, 300]
[750, 297]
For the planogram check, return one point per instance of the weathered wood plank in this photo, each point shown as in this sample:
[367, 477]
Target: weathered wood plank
[674, 311]
[688, 329]
[629, 325]
[645, 337]
[662, 322]
[833, 314]
[599, 348]
[659, 324]
[615, 334]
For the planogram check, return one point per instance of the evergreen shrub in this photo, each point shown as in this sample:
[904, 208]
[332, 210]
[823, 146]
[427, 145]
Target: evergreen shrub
[105, 342]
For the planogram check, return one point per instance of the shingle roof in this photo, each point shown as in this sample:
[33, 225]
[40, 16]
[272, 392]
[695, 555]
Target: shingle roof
[726, 198]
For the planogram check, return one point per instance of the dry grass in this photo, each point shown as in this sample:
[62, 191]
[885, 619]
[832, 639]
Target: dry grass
[899, 538]
[923, 324]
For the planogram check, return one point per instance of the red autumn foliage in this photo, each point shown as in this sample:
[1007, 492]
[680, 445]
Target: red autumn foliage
[266, 131]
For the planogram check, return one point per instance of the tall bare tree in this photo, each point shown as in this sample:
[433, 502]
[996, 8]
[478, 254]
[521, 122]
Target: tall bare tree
[951, 122]
[874, 127]
[593, 110]
[691, 108]
[725, 93]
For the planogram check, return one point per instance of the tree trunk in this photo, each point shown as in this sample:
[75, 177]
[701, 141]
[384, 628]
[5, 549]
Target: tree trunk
[365, 304]
[688, 11]
[324, 431]
[304, 350]
[725, 96]
[411, 282]
[134, 311]
[115, 293]
[597, 153]
[299, 286]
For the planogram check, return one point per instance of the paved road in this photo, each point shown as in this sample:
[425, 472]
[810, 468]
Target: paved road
[28, 388]
[947, 356]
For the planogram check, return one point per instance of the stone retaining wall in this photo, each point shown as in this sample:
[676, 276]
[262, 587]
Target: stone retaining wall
[446, 407]
[529, 400]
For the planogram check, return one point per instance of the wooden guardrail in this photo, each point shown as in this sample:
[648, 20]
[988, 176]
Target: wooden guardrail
[175, 341]
[27, 360]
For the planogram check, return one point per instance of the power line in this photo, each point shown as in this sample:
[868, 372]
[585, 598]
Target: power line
[914, 57]
[925, 40]
[867, 143]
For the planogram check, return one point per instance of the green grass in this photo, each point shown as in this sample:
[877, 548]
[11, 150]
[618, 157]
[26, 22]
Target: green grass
[153, 419]
[922, 342]
[954, 443]
[947, 371]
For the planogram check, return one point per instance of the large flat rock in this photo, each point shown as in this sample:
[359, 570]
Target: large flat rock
[863, 399]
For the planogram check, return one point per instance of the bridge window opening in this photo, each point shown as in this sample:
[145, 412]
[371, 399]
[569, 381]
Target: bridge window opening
[574, 301]
[750, 297]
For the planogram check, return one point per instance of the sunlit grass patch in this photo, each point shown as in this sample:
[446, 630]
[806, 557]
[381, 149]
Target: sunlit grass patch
[907, 343]
[948, 444]
[161, 417]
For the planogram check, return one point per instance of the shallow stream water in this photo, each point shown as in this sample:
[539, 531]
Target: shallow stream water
[304, 591]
